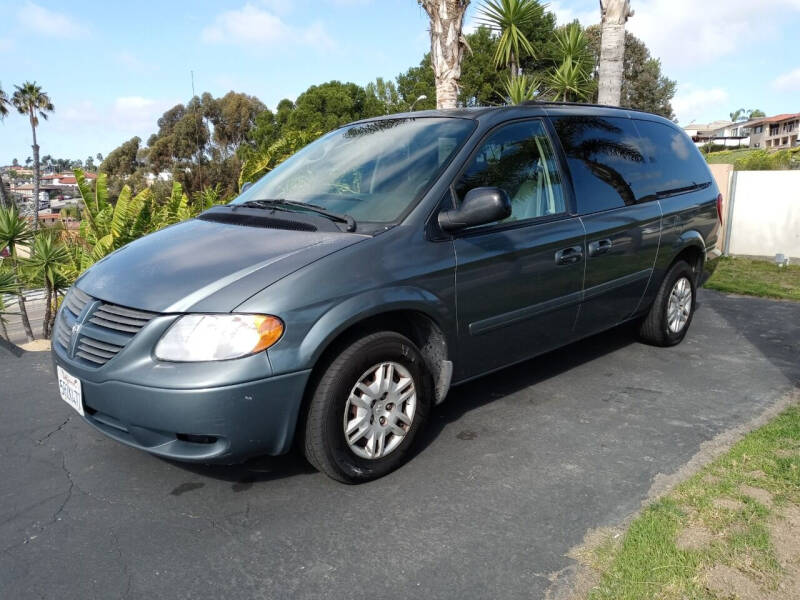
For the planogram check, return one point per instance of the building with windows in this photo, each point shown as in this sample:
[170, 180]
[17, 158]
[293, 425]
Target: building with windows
[778, 132]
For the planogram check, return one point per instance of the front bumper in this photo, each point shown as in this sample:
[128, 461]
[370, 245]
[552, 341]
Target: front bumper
[221, 424]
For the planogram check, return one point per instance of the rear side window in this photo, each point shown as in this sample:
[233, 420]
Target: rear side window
[605, 160]
[672, 162]
[519, 159]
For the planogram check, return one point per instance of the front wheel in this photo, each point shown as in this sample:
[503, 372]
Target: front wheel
[367, 408]
[671, 313]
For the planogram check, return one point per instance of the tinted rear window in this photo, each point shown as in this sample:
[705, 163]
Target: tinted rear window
[672, 162]
[605, 160]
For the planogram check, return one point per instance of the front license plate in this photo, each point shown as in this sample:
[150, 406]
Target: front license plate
[70, 388]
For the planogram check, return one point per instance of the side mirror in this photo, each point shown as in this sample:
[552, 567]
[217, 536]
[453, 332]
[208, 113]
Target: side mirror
[480, 206]
[245, 185]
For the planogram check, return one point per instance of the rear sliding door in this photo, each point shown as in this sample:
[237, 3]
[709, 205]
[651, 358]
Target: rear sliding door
[607, 163]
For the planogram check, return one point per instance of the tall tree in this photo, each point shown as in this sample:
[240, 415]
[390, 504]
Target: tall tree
[510, 19]
[644, 86]
[30, 100]
[4, 202]
[615, 13]
[447, 47]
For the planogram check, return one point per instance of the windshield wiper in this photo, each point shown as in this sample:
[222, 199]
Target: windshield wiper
[282, 204]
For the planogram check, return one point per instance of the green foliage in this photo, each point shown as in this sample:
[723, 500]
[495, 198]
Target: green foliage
[29, 99]
[48, 255]
[4, 102]
[14, 230]
[106, 227]
[510, 18]
[571, 80]
[763, 160]
[522, 88]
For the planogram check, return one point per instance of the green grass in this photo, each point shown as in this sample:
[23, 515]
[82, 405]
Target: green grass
[756, 278]
[646, 563]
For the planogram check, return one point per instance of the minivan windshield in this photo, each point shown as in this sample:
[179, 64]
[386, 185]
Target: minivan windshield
[373, 171]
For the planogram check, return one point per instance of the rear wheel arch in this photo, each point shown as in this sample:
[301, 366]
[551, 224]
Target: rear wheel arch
[690, 247]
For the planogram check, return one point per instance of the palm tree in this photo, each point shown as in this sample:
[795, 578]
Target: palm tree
[14, 231]
[3, 112]
[572, 80]
[522, 88]
[738, 115]
[510, 18]
[48, 256]
[447, 47]
[29, 99]
[615, 13]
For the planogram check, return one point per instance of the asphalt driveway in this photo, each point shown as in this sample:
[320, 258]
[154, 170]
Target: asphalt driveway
[516, 467]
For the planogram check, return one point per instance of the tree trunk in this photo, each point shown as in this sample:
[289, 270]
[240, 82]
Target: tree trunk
[23, 313]
[35, 177]
[5, 331]
[48, 309]
[4, 201]
[447, 47]
[612, 50]
[53, 312]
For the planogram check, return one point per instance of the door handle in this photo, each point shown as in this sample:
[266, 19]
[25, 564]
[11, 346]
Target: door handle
[569, 256]
[600, 247]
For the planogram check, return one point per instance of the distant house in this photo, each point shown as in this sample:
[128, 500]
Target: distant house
[64, 179]
[778, 132]
[722, 133]
[772, 133]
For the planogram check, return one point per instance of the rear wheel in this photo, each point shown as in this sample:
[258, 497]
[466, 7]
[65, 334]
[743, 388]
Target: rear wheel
[367, 408]
[671, 312]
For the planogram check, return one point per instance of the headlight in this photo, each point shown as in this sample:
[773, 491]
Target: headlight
[218, 337]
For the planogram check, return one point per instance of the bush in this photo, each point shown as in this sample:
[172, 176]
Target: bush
[762, 160]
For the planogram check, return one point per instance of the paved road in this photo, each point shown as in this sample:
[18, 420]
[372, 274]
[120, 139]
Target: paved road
[516, 468]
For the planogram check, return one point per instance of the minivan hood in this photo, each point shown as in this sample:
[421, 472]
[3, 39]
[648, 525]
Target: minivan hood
[203, 266]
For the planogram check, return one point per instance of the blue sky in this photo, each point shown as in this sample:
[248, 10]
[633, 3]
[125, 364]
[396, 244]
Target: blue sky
[112, 68]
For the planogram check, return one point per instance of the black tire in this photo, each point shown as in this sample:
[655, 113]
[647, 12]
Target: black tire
[324, 443]
[654, 328]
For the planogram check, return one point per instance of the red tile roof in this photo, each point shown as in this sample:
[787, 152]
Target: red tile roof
[783, 117]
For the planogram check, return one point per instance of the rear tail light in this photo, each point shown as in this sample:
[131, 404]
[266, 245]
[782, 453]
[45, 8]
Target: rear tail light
[719, 207]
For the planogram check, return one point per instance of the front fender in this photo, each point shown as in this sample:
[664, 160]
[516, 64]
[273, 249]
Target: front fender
[353, 310]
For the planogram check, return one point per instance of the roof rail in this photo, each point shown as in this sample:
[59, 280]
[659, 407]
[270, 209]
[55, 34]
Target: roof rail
[562, 103]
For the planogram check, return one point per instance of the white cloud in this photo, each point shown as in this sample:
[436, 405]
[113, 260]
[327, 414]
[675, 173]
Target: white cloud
[49, 22]
[685, 33]
[788, 82]
[566, 14]
[691, 103]
[131, 114]
[253, 26]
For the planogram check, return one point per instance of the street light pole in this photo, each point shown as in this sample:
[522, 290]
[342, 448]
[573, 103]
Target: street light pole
[422, 97]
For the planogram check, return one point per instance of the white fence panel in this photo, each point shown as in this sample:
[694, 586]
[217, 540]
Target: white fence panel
[765, 218]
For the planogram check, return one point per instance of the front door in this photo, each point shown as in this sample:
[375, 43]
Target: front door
[519, 281]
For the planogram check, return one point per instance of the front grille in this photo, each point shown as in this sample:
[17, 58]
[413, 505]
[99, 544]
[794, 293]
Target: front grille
[105, 328]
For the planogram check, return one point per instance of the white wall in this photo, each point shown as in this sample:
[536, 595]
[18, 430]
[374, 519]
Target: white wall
[765, 218]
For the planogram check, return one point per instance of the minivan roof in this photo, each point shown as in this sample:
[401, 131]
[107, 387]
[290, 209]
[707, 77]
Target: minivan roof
[529, 107]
